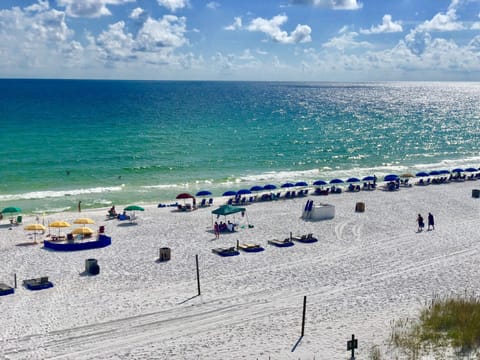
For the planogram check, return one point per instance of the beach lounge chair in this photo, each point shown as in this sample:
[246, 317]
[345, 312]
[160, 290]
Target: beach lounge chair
[250, 247]
[203, 203]
[306, 239]
[226, 251]
[210, 201]
[38, 283]
[281, 243]
[6, 290]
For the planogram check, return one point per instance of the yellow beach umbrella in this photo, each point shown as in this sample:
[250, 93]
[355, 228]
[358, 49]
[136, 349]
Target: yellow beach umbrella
[84, 221]
[59, 224]
[82, 231]
[35, 228]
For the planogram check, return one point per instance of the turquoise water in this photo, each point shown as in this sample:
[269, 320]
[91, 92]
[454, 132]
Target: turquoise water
[124, 142]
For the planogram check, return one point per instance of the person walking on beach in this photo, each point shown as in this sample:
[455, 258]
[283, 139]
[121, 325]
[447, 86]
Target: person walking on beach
[216, 229]
[431, 222]
[420, 222]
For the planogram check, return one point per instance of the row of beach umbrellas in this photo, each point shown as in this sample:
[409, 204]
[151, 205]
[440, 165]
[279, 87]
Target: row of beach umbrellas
[387, 178]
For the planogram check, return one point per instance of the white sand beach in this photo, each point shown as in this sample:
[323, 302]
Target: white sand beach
[366, 270]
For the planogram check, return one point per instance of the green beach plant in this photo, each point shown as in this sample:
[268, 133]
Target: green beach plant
[449, 325]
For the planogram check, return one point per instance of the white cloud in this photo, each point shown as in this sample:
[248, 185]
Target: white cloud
[173, 5]
[155, 42]
[442, 22]
[331, 4]
[387, 26]
[89, 8]
[41, 5]
[346, 40]
[137, 13]
[236, 25]
[271, 27]
[213, 5]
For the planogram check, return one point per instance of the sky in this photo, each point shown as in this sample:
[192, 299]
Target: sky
[259, 40]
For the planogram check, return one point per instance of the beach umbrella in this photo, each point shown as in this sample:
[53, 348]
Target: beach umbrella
[256, 188]
[301, 183]
[134, 208]
[243, 192]
[287, 185]
[35, 228]
[390, 177]
[229, 193]
[471, 169]
[84, 221]
[457, 170]
[336, 181]
[59, 224]
[11, 210]
[82, 231]
[407, 175]
[444, 172]
[353, 180]
[184, 196]
[203, 193]
[368, 178]
[270, 187]
[320, 182]
[421, 174]
[434, 173]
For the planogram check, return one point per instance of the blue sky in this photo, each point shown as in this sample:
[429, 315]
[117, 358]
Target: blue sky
[293, 40]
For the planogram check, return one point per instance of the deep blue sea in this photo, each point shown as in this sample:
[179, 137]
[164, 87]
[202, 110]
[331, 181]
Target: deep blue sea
[125, 142]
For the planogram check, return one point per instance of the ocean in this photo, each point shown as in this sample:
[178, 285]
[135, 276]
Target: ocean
[137, 142]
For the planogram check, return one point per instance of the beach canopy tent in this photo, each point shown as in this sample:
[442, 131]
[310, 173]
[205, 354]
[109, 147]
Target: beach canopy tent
[228, 210]
[320, 182]
[203, 193]
[270, 187]
[35, 228]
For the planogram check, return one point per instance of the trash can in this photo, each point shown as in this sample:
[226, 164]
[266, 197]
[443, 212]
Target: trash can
[476, 193]
[165, 254]
[91, 267]
[360, 207]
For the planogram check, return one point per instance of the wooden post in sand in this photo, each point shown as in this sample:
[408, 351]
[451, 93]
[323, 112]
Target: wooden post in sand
[15, 280]
[198, 275]
[304, 311]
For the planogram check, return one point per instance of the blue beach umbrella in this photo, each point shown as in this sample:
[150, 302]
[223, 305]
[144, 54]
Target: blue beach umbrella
[444, 172]
[422, 174]
[256, 188]
[457, 170]
[353, 180]
[243, 192]
[471, 169]
[336, 181]
[301, 183]
[203, 193]
[270, 187]
[287, 185]
[434, 173]
[390, 177]
[320, 182]
[229, 193]
[368, 178]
